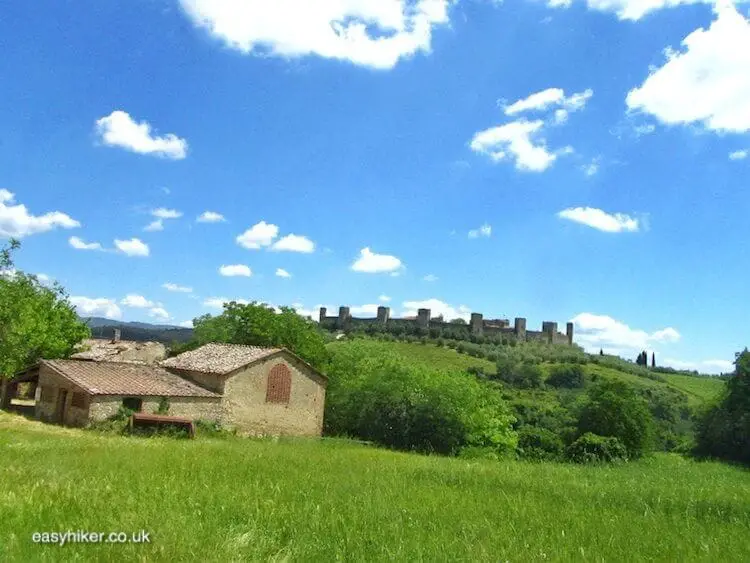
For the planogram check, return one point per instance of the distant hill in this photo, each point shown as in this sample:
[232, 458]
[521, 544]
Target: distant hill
[138, 332]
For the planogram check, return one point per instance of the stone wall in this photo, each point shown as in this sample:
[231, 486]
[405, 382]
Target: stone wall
[102, 407]
[245, 408]
[477, 325]
[48, 399]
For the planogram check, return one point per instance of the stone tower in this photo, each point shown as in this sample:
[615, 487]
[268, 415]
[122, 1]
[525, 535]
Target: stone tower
[322, 316]
[384, 313]
[344, 320]
[519, 328]
[423, 318]
[477, 323]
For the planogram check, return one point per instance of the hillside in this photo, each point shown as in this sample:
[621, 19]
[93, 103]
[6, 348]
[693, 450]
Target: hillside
[325, 500]
[696, 389]
[138, 332]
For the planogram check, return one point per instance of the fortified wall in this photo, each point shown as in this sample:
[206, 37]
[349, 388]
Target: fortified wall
[477, 325]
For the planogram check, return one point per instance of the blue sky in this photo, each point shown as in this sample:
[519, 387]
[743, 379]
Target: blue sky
[582, 161]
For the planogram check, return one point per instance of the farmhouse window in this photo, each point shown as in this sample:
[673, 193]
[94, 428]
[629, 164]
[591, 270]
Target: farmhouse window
[279, 384]
[47, 395]
[133, 403]
[78, 401]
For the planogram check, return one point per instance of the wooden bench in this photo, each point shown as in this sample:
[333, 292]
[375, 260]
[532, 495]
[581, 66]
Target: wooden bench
[141, 420]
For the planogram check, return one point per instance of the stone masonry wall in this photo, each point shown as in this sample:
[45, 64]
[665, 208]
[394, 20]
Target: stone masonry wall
[245, 407]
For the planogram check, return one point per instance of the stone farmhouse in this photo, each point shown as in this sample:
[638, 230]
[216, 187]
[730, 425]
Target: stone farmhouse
[257, 391]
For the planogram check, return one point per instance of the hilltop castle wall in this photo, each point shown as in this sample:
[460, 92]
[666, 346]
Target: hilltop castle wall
[477, 325]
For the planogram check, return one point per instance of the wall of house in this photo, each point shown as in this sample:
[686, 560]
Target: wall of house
[49, 387]
[196, 408]
[245, 407]
[208, 381]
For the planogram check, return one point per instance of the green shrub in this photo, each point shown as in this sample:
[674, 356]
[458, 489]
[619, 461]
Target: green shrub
[614, 409]
[163, 407]
[540, 444]
[569, 376]
[592, 448]
[724, 429]
[522, 375]
[376, 396]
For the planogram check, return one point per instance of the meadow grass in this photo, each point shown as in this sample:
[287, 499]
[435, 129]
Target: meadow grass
[703, 388]
[237, 499]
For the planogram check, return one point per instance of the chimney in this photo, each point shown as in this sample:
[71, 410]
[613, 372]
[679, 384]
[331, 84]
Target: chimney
[117, 336]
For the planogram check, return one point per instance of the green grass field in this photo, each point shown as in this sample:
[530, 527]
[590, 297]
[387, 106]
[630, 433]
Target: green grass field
[330, 500]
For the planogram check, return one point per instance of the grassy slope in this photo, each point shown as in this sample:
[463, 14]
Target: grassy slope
[698, 389]
[234, 499]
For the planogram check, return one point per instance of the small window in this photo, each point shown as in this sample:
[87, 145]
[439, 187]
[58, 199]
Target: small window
[78, 401]
[279, 384]
[133, 403]
[47, 394]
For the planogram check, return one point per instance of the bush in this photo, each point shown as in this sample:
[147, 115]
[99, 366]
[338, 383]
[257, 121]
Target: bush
[163, 407]
[569, 376]
[724, 429]
[615, 410]
[373, 395]
[540, 444]
[592, 448]
[523, 375]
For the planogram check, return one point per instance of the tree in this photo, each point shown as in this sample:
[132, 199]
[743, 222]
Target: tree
[36, 321]
[601, 351]
[258, 324]
[614, 409]
[653, 359]
[458, 321]
[724, 429]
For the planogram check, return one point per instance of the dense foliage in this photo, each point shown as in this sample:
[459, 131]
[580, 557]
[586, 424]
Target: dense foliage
[36, 321]
[570, 376]
[376, 395]
[614, 409]
[724, 430]
[258, 324]
[592, 448]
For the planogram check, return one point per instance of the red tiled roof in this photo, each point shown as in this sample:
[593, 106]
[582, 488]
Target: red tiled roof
[114, 378]
[219, 359]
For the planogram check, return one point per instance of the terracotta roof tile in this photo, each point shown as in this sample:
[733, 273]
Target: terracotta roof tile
[115, 378]
[219, 359]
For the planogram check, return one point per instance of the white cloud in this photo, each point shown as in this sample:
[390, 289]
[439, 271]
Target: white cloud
[186, 324]
[118, 129]
[137, 301]
[371, 263]
[483, 231]
[80, 244]
[163, 213]
[549, 98]
[436, 308]
[634, 10]
[372, 33]
[99, 307]
[384, 298]
[591, 168]
[177, 288]
[430, 278]
[236, 270]
[159, 313]
[738, 155]
[369, 309]
[132, 247]
[157, 225]
[258, 236]
[294, 243]
[218, 302]
[601, 220]
[280, 272]
[44, 279]
[210, 217]
[707, 83]
[645, 129]
[16, 221]
[595, 332]
[519, 140]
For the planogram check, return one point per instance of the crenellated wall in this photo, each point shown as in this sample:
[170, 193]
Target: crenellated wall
[477, 325]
